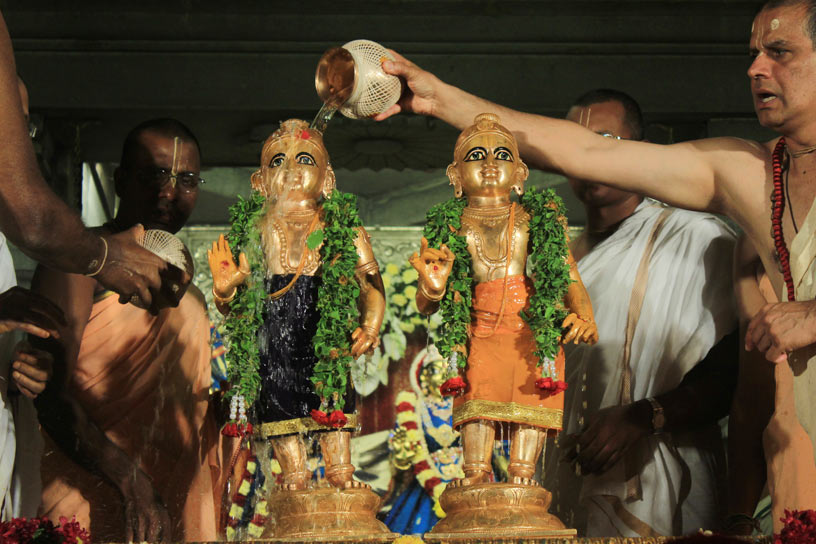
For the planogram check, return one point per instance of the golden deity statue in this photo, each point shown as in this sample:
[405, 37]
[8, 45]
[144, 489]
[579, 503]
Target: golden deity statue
[507, 382]
[320, 300]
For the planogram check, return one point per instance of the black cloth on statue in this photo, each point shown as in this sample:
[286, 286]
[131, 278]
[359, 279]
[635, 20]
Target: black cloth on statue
[286, 352]
[287, 356]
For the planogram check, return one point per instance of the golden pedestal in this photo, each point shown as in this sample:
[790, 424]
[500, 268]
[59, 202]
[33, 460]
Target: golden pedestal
[491, 512]
[327, 514]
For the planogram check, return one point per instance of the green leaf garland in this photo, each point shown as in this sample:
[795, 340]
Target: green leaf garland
[550, 270]
[443, 223]
[337, 298]
[246, 309]
[547, 262]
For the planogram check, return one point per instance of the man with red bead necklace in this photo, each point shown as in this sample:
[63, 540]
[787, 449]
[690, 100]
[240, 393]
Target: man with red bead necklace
[722, 175]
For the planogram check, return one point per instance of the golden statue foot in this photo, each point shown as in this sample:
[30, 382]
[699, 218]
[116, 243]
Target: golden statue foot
[496, 510]
[355, 484]
[327, 514]
[346, 483]
[521, 480]
[296, 486]
[473, 478]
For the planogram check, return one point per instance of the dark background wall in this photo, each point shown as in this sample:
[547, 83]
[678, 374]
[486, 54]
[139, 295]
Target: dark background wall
[233, 70]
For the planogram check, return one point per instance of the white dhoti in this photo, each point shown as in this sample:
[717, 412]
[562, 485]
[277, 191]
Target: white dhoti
[688, 306]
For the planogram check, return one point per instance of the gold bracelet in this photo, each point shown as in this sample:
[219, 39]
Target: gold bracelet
[104, 259]
[431, 298]
[370, 266]
[224, 300]
[370, 330]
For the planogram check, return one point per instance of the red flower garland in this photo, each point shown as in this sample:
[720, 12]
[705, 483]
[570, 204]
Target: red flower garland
[777, 209]
[453, 387]
[800, 528]
[321, 417]
[237, 429]
[552, 387]
[337, 419]
[34, 530]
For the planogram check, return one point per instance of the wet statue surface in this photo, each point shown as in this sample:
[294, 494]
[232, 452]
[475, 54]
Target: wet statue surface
[303, 298]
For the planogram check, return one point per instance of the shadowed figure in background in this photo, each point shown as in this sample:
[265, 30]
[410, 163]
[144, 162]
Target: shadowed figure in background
[132, 446]
[641, 422]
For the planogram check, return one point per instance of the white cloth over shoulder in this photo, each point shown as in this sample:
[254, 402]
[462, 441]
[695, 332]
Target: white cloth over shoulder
[8, 444]
[20, 442]
[687, 308]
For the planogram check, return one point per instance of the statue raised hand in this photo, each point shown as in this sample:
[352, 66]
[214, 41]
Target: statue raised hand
[433, 267]
[227, 276]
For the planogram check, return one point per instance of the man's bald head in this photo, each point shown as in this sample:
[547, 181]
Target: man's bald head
[166, 127]
[810, 14]
[633, 117]
[155, 156]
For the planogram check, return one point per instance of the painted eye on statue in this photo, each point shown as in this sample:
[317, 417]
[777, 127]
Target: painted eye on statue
[277, 160]
[305, 158]
[503, 154]
[476, 154]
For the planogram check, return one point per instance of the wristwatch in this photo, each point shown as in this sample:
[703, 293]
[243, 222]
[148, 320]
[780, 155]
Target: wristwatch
[658, 418]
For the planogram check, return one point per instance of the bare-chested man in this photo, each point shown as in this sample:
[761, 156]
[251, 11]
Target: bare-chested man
[723, 175]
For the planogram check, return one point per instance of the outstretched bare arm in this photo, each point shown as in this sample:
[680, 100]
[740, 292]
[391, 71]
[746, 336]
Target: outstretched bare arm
[694, 175]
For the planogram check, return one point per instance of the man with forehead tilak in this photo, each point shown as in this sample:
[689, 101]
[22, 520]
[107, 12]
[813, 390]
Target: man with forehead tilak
[502, 379]
[301, 375]
[642, 425]
[131, 447]
[724, 175]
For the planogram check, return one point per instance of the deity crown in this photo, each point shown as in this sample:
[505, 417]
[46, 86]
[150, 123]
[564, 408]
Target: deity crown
[295, 128]
[484, 122]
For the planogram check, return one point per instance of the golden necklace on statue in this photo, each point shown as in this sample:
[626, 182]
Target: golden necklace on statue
[478, 223]
[287, 229]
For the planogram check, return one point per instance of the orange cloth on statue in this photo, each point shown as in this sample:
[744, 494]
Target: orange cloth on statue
[144, 380]
[502, 368]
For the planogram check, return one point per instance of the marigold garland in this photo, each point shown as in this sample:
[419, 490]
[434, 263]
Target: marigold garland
[337, 299]
[424, 470]
[547, 262]
[241, 512]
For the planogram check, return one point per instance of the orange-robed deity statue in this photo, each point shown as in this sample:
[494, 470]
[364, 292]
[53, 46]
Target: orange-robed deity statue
[500, 380]
[297, 184]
